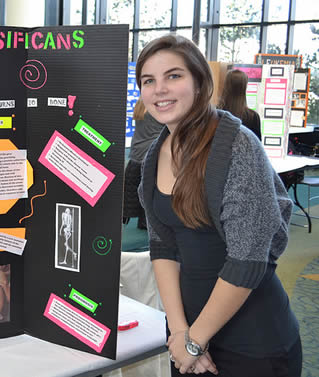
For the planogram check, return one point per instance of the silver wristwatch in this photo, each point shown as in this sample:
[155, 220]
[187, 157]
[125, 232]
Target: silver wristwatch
[193, 348]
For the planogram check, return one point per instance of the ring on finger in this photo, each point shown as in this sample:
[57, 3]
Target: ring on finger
[172, 358]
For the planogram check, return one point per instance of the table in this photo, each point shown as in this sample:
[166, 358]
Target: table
[27, 356]
[294, 164]
[298, 130]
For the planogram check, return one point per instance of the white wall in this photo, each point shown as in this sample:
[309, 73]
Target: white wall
[27, 13]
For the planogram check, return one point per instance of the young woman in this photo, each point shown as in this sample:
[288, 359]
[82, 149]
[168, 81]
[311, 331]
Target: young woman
[218, 219]
[233, 99]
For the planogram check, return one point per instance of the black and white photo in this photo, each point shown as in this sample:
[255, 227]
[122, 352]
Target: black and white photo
[68, 237]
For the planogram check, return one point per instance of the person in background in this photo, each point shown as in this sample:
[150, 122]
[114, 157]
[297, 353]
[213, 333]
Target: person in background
[146, 130]
[233, 99]
[217, 219]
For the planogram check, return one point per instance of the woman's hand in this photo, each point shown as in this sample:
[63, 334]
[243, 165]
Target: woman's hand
[203, 364]
[186, 362]
[176, 346]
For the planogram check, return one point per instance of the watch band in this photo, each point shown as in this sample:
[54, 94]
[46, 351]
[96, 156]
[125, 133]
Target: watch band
[192, 347]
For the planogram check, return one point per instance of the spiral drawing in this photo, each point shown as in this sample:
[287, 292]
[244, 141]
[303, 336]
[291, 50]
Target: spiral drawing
[101, 246]
[33, 74]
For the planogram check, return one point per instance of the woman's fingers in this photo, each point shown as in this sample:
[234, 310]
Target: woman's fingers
[205, 363]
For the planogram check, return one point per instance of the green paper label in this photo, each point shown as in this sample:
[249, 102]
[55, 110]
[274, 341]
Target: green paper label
[83, 300]
[92, 136]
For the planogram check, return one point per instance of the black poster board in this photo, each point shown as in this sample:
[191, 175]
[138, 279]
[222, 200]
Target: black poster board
[63, 100]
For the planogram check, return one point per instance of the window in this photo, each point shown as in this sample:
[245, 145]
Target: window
[278, 10]
[202, 41]
[187, 33]
[307, 10]
[75, 12]
[240, 11]
[13, 14]
[204, 11]
[306, 43]
[276, 39]
[90, 12]
[185, 11]
[121, 12]
[155, 13]
[238, 44]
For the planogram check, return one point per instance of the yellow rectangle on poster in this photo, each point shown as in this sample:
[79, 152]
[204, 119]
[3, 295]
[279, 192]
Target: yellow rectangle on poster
[5, 122]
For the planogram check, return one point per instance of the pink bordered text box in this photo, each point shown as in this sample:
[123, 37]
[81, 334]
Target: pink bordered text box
[275, 85]
[105, 176]
[81, 317]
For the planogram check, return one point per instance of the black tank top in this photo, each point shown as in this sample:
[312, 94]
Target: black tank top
[256, 329]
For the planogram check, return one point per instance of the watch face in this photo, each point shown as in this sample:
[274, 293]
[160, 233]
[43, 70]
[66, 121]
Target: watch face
[193, 349]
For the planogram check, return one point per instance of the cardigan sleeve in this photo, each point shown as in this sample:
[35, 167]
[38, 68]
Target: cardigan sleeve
[255, 213]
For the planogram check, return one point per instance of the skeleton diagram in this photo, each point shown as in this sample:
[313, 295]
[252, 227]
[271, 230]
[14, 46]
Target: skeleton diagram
[67, 228]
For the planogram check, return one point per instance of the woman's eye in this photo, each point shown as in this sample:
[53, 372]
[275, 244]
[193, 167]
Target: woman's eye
[174, 76]
[148, 81]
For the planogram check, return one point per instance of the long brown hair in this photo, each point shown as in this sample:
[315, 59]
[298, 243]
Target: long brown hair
[139, 110]
[233, 98]
[192, 137]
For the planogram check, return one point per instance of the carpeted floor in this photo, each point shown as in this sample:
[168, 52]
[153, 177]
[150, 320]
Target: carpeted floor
[298, 269]
[305, 303]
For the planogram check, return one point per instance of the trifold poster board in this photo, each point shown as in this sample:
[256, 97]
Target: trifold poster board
[275, 108]
[300, 95]
[62, 138]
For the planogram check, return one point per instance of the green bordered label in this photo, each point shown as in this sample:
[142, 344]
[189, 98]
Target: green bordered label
[83, 300]
[251, 101]
[272, 127]
[92, 136]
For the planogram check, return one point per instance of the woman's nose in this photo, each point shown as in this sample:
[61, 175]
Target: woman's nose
[160, 87]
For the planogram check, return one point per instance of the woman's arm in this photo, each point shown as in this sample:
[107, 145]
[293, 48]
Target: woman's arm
[225, 300]
[167, 277]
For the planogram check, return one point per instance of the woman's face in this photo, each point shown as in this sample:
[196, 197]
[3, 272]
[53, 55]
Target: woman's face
[167, 88]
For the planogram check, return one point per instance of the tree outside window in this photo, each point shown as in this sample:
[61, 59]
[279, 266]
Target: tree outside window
[239, 43]
[306, 42]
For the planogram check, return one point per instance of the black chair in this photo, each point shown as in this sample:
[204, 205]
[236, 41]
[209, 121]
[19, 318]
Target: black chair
[310, 182]
[291, 179]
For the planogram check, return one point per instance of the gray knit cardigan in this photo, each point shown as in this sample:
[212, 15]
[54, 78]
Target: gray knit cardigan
[247, 202]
